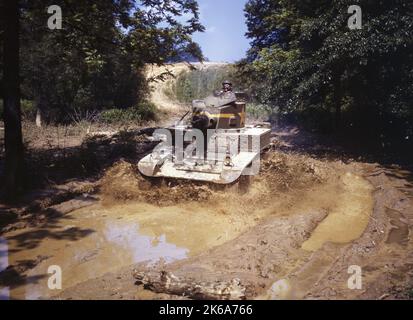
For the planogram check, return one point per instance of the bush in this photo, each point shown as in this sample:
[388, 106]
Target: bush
[112, 115]
[147, 111]
[316, 118]
[27, 109]
[199, 84]
[259, 111]
[144, 111]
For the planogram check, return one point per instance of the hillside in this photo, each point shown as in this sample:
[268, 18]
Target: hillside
[171, 72]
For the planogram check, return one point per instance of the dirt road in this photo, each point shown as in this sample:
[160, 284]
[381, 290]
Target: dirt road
[301, 224]
[299, 231]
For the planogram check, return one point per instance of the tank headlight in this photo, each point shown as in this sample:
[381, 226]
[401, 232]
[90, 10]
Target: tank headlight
[228, 161]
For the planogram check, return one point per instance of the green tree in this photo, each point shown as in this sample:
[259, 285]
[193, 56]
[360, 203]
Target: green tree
[13, 142]
[95, 61]
[304, 57]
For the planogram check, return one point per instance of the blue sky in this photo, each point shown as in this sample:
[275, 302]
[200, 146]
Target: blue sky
[224, 38]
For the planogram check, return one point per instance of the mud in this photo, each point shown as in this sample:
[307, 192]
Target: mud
[111, 237]
[123, 182]
[280, 173]
[349, 218]
[253, 259]
[399, 231]
[387, 267]
[291, 234]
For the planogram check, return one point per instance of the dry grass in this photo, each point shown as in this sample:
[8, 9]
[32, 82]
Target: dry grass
[59, 136]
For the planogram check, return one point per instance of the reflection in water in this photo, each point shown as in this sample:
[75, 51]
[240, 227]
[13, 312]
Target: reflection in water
[4, 263]
[4, 254]
[143, 248]
[123, 235]
[113, 244]
[4, 293]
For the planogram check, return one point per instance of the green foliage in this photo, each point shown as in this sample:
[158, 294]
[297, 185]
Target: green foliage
[147, 111]
[198, 84]
[144, 111]
[305, 60]
[97, 60]
[28, 109]
[259, 111]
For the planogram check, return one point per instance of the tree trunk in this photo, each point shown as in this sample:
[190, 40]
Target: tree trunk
[338, 96]
[39, 118]
[13, 140]
[337, 118]
[166, 282]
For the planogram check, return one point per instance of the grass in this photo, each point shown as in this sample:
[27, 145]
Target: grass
[58, 154]
[145, 111]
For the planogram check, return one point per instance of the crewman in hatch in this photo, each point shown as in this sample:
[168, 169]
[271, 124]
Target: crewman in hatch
[226, 91]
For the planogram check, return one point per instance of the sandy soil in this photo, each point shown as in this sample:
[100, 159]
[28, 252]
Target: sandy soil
[158, 96]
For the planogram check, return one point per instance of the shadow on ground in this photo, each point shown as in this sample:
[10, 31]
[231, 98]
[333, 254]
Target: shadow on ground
[398, 160]
[15, 275]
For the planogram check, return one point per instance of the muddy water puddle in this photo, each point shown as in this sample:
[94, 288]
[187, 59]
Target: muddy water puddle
[348, 217]
[90, 242]
[96, 240]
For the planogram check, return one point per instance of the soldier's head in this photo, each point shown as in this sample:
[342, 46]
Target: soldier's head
[227, 86]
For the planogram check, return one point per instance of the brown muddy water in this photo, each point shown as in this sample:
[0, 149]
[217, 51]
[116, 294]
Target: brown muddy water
[111, 238]
[93, 241]
[348, 218]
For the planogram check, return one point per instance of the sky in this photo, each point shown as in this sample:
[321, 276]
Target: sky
[224, 38]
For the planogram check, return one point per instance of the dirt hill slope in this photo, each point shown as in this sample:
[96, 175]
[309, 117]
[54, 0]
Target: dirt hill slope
[158, 96]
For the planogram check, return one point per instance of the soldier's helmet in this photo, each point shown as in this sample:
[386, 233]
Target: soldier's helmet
[227, 82]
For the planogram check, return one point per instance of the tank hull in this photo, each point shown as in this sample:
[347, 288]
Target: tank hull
[229, 155]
